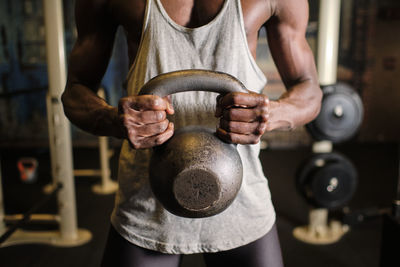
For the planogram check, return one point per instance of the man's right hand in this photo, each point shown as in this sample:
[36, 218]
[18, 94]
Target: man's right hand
[144, 120]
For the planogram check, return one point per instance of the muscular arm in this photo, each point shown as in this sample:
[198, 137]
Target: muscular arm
[293, 57]
[140, 119]
[87, 63]
[245, 117]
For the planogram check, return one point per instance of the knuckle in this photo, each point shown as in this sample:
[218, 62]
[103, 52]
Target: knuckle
[260, 129]
[263, 100]
[145, 115]
[141, 116]
[152, 116]
[160, 115]
[158, 140]
[156, 102]
[161, 138]
[264, 114]
[264, 109]
[129, 121]
[236, 98]
[132, 133]
[161, 127]
[255, 140]
[264, 117]
[230, 126]
[135, 144]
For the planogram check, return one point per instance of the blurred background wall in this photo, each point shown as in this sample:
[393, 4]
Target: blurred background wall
[23, 73]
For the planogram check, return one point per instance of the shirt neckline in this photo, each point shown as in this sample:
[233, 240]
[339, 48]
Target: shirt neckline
[187, 29]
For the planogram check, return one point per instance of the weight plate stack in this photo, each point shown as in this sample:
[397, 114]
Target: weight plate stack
[340, 116]
[327, 180]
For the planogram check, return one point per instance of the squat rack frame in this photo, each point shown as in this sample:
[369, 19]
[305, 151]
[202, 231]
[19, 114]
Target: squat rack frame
[68, 233]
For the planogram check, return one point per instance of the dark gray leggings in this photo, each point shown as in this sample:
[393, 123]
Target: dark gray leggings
[264, 252]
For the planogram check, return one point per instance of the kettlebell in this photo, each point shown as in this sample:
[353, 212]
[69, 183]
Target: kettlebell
[194, 174]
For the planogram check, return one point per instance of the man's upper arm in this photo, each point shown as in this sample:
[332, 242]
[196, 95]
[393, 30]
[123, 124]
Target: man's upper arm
[286, 31]
[96, 32]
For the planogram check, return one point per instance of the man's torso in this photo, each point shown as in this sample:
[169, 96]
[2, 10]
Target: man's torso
[188, 13]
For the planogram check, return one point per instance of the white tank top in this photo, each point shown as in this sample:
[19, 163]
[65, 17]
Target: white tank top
[165, 46]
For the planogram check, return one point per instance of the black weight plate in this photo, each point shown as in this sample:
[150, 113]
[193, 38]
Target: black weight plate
[312, 167]
[340, 116]
[313, 162]
[333, 185]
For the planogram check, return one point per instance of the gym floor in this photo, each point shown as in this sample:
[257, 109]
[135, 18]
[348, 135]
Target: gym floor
[377, 166]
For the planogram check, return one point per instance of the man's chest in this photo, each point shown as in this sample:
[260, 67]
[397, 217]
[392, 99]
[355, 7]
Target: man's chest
[189, 13]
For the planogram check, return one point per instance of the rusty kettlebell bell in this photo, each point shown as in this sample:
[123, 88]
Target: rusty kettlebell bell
[194, 174]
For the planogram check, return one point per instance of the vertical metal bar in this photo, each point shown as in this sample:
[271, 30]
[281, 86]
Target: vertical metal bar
[51, 133]
[107, 185]
[103, 149]
[59, 128]
[104, 164]
[328, 41]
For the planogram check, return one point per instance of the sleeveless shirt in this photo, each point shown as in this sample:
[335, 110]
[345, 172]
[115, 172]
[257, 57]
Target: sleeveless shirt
[165, 46]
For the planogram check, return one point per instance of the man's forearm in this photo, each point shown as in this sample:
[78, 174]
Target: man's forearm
[90, 112]
[296, 107]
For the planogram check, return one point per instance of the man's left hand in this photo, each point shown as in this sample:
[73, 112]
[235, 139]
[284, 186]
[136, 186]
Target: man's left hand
[243, 117]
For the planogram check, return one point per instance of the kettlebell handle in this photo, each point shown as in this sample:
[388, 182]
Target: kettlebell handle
[192, 80]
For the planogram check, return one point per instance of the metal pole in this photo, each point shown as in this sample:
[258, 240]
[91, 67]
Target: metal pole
[328, 41]
[59, 128]
[107, 185]
[103, 149]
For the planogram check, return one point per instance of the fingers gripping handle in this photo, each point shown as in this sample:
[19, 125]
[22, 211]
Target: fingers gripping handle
[192, 80]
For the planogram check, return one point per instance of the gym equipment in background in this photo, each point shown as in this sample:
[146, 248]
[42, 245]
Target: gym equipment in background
[328, 179]
[60, 146]
[27, 168]
[18, 221]
[340, 116]
[195, 174]
[106, 185]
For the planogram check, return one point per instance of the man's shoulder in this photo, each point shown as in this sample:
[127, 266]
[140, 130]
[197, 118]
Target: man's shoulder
[256, 13]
